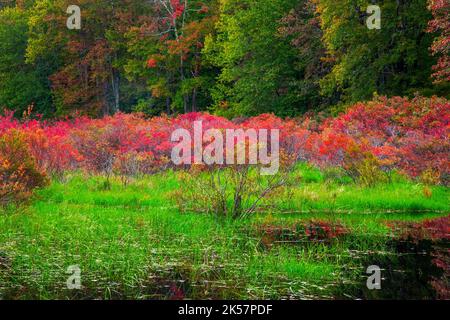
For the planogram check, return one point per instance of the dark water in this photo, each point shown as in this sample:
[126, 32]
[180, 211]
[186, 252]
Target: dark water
[411, 269]
[414, 268]
[414, 260]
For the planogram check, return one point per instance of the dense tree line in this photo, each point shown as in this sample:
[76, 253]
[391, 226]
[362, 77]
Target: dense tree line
[231, 57]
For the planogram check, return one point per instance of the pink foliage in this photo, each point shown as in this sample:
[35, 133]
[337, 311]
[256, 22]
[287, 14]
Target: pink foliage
[409, 135]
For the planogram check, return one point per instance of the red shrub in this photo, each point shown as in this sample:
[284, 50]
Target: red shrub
[409, 135]
[19, 173]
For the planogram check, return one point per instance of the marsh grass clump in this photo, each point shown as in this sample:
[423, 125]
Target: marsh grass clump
[235, 191]
[363, 167]
[430, 177]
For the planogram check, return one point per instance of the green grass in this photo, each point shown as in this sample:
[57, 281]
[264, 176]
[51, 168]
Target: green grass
[132, 242]
[317, 192]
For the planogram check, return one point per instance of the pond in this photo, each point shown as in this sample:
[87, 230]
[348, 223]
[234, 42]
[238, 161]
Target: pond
[412, 269]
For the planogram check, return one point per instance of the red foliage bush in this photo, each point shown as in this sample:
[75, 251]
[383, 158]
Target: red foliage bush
[407, 135]
[411, 135]
[53, 151]
[19, 173]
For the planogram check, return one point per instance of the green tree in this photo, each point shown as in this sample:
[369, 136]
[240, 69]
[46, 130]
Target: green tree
[257, 64]
[21, 85]
[393, 60]
[302, 27]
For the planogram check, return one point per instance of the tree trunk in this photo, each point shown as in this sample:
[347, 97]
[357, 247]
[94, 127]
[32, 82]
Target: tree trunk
[168, 105]
[185, 103]
[105, 101]
[115, 86]
[194, 100]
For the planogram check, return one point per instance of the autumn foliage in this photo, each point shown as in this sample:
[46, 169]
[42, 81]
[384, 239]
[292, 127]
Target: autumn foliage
[19, 173]
[368, 140]
[441, 45]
